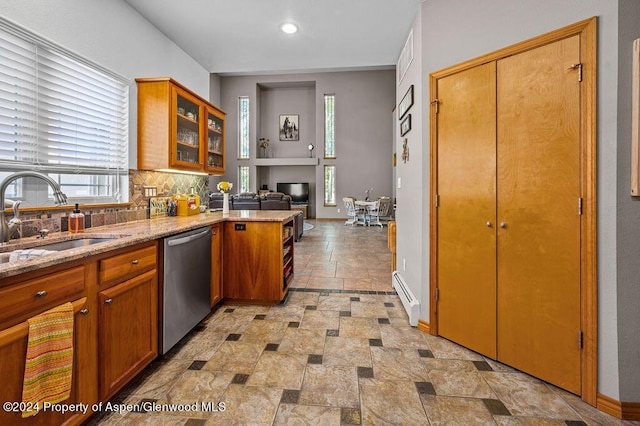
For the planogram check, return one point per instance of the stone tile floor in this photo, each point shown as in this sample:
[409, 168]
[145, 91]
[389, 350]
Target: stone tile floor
[338, 351]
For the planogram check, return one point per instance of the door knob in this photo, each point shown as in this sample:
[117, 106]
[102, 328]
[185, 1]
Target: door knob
[488, 224]
[503, 225]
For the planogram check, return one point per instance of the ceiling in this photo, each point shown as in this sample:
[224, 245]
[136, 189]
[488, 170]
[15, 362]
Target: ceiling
[243, 36]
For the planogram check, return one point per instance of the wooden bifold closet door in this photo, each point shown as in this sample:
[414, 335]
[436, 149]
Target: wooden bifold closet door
[467, 211]
[508, 185]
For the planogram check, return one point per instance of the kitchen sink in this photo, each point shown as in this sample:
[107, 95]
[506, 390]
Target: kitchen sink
[38, 247]
[71, 244]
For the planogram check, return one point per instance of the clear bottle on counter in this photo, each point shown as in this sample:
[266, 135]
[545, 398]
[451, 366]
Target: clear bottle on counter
[76, 221]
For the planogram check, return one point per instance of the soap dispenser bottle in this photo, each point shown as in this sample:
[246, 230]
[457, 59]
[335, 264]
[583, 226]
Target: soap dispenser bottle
[76, 221]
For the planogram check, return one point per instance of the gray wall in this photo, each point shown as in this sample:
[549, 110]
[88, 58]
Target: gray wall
[115, 36]
[449, 37]
[364, 100]
[412, 189]
[214, 89]
[628, 214]
[287, 100]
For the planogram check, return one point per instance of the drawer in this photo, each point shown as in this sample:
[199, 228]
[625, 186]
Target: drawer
[24, 300]
[127, 265]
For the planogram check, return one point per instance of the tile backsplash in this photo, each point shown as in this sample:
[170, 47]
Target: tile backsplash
[166, 184]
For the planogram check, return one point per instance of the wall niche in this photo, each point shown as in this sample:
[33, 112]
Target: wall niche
[286, 98]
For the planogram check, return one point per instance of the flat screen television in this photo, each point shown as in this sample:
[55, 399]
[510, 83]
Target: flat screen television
[299, 192]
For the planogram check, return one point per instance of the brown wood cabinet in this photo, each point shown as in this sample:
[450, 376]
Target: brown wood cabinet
[128, 322]
[216, 264]
[114, 296]
[177, 129]
[258, 264]
[30, 298]
[21, 301]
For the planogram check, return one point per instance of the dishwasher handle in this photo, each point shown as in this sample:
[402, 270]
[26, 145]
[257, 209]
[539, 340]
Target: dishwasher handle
[185, 240]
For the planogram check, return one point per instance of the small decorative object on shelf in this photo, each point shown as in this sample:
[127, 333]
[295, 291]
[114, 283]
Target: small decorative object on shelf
[264, 144]
[225, 188]
[310, 148]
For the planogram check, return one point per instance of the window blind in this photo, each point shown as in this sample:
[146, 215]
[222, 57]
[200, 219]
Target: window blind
[59, 113]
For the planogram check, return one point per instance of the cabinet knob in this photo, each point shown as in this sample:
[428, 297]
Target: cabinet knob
[108, 301]
[213, 233]
[42, 293]
[488, 224]
[134, 262]
[85, 311]
[503, 225]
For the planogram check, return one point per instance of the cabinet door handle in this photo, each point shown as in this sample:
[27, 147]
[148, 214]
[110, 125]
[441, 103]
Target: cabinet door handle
[503, 225]
[213, 233]
[108, 301]
[85, 311]
[488, 224]
[42, 293]
[134, 262]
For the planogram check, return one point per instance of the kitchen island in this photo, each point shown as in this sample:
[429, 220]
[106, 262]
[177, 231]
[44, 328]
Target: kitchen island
[114, 286]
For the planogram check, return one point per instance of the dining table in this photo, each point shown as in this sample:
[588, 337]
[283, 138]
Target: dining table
[366, 206]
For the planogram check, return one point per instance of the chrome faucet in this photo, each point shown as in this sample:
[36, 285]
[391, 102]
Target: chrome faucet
[15, 229]
[6, 229]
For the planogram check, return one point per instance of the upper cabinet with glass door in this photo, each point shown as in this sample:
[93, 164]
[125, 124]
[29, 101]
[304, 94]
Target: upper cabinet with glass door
[215, 141]
[177, 129]
[185, 149]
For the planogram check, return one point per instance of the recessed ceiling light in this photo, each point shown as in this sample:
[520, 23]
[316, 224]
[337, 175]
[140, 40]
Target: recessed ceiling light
[289, 28]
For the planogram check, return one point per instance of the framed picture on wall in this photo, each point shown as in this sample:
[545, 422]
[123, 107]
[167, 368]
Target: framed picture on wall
[406, 57]
[405, 126]
[289, 130]
[406, 103]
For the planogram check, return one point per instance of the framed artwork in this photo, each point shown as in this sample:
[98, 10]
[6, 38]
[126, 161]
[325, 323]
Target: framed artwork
[406, 57]
[405, 126]
[406, 103]
[289, 130]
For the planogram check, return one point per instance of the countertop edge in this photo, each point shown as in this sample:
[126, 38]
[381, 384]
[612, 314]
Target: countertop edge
[131, 233]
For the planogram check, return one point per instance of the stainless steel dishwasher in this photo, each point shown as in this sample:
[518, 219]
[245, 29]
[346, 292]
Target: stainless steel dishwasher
[187, 284]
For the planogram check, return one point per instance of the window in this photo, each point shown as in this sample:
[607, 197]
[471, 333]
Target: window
[243, 128]
[329, 185]
[83, 186]
[62, 116]
[243, 178]
[329, 126]
[14, 190]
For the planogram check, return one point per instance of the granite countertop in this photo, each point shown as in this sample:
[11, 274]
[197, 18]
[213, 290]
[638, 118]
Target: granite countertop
[124, 234]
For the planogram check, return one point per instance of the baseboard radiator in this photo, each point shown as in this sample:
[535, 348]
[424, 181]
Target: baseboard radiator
[409, 301]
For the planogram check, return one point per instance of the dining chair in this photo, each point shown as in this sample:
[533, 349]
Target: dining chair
[380, 210]
[353, 212]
